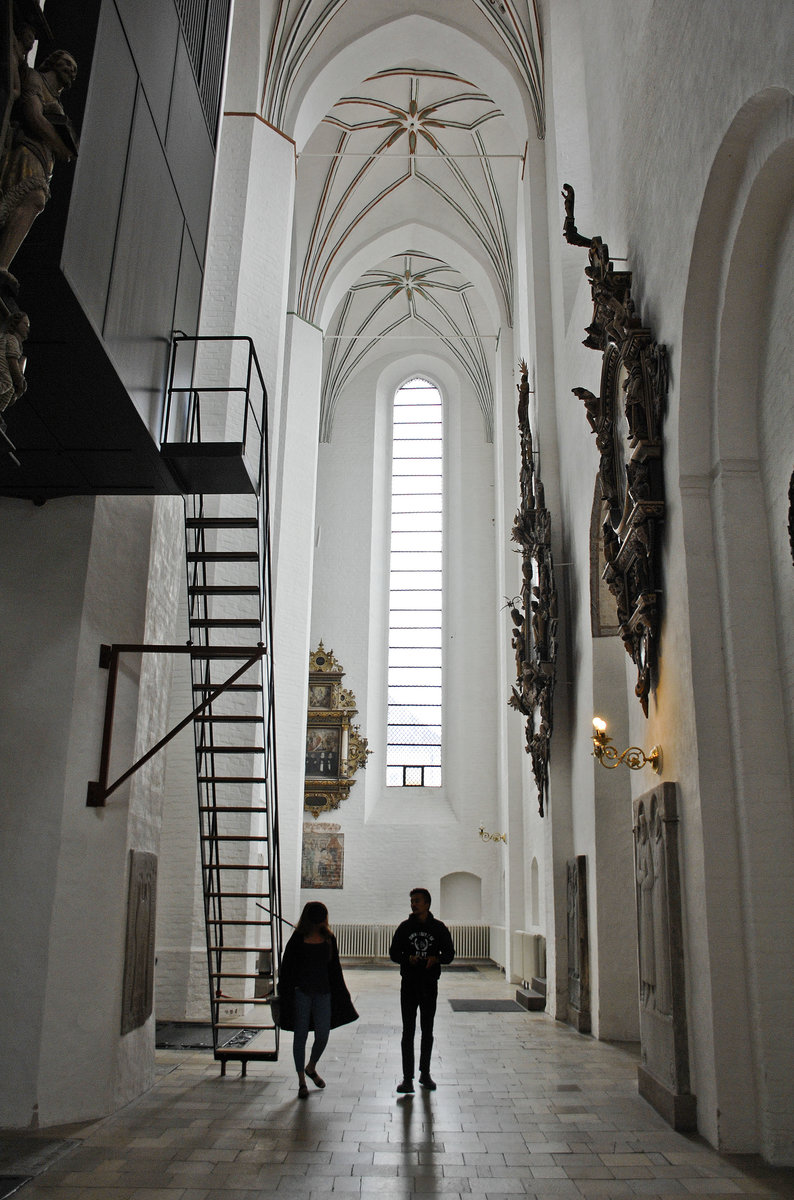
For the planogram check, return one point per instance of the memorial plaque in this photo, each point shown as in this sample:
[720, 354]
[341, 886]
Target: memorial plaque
[663, 1076]
[138, 990]
[578, 946]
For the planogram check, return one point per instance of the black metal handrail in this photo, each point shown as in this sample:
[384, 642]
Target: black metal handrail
[192, 392]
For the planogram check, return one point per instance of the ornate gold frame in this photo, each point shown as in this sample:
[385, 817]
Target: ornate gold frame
[335, 749]
[627, 419]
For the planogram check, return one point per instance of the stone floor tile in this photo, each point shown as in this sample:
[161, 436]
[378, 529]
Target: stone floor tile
[525, 1106]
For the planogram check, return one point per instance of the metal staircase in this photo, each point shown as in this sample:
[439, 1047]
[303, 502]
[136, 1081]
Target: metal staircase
[230, 625]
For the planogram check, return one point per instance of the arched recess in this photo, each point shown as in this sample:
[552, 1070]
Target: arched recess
[411, 39]
[460, 898]
[734, 362]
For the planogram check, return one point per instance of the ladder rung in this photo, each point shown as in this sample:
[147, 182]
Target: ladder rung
[231, 921]
[237, 867]
[228, 556]
[230, 749]
[242, 999]
[211, 652]
[217, 589]
[232, 779]
[233, 808]
[232, 837]
[220, 623]
[239, 895]
[230, 719]
[221, 523]
[233, 687]
[239, 949]
[233, 975]
[241, 1025]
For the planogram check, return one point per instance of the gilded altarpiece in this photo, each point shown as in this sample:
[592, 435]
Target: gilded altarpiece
[335, 749]
[664, 1073]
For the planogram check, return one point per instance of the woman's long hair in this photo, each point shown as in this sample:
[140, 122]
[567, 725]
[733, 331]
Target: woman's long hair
[314, 919]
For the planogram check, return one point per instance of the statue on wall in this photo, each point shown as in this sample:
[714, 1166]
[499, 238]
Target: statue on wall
[12, 360]
[40, 134]
[534, 612]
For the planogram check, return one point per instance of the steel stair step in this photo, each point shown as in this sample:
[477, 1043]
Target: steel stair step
[239, 895]
[238, 867]
[231, 921]
[233, 808]
[231, 750]
[227, 556]
[231, 718]
[239, 949]
[242, 1025]
[232, 779]
[233, 687]
[223, 622]
[219, 589]
[211, 652]
[241, 1000]
[233, 975]
[232, 837]
[221, 523]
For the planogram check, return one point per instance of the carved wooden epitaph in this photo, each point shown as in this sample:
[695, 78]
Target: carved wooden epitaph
[335, 749]
[534, 612]
[138, 987]
[663, 1076]
[627, 418]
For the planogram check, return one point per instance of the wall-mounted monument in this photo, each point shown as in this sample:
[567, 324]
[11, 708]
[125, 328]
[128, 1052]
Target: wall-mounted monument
[335, 749]
[323, 857]
[578, 946]
[534, 612]
[627, 418]
[663, 1076]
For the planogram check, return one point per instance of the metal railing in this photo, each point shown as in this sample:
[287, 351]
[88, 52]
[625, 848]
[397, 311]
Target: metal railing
[198, 413]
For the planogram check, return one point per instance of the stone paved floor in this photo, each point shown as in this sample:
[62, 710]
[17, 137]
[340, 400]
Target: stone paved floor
[524, 1107]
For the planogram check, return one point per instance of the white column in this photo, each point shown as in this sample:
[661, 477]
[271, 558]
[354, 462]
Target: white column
[293, 536]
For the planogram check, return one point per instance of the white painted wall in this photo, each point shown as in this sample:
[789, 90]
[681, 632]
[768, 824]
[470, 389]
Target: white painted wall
[396, 839]
[79, 570]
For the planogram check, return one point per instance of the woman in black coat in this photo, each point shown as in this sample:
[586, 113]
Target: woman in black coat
[312, 991]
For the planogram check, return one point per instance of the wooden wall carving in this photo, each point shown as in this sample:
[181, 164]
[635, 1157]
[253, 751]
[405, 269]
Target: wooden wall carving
[534, 612]
[627, 419]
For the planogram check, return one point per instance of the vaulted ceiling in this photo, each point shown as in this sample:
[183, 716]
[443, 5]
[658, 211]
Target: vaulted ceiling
[408, 180]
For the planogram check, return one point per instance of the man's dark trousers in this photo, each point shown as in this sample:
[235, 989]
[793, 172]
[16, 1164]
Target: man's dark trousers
[422, 993]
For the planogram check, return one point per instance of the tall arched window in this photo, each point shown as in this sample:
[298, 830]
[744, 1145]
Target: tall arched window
[413, 755]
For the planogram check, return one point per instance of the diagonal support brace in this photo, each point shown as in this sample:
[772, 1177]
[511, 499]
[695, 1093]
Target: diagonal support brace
[99, 790]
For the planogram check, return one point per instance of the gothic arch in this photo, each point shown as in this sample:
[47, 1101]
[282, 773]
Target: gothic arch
[743, 744]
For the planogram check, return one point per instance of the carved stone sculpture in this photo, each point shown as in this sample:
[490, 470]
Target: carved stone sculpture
[663, 1076]
[534, 613]
[40, 134]
[626, 418]
[12, 361]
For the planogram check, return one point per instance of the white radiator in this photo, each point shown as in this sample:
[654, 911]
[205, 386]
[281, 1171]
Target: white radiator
[373, 940]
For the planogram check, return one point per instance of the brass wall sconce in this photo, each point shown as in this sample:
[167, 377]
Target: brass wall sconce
[492, 837]
[634, 758]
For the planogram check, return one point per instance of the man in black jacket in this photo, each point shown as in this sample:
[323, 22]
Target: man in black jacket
[420, 945]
